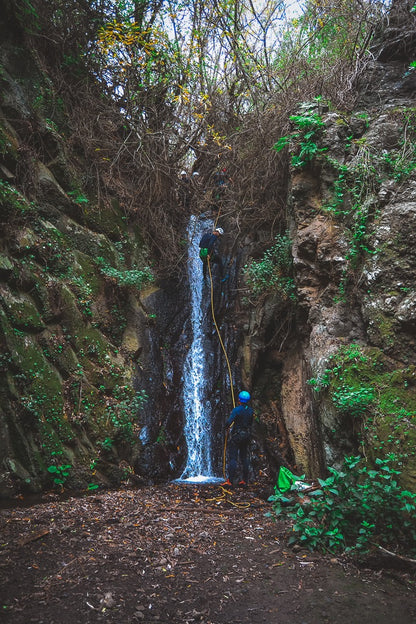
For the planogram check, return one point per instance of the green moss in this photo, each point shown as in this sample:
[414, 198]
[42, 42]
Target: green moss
[90, 344]
[111, 222]
[86, 269]
[88, 242]
[21, 311]
[114, 322]
[84, 283]
[13, 203]
[362, 384]
[57, 350]
[71, 317]
[52, 250]
[6, 265]
[381, 328]
[39, 384]
[66, 361]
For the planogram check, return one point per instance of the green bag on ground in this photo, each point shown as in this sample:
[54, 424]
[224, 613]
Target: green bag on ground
[286, 479]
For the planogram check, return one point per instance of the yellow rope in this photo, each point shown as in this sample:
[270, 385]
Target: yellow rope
[226, 496]
[226, 359]
[218, 332]
[225, 492]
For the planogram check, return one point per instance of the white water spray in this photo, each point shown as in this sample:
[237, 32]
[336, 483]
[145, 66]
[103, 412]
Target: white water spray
[198, 426]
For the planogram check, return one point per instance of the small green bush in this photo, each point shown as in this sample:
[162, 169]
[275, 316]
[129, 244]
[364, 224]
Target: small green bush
[353, 400]
[60, 473]
[136, 278]
[272, 272]
[308, 123]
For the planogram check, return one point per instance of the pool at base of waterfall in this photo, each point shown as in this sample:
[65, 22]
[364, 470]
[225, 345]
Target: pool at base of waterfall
[200, 479]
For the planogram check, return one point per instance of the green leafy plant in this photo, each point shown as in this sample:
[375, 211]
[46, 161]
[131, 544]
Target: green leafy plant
[349, 395]
[378, 403]
[84, 293]
[272, 273]
[122, 412]
[353, 400]
[136, 278]
[92, 486]
[13, 202]
[304, 138]
[60, 473]
[106, 444]
[78, 197]
[353, 510]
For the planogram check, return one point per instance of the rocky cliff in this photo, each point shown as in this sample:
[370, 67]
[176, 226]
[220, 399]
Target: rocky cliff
[85, 330]
[344, 377]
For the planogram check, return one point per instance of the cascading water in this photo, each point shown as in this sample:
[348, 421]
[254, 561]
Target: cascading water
[197, 407]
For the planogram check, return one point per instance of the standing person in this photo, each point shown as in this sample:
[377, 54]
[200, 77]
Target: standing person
[184, 192]
[196, 190]
[222, 182]
[207, 246]
[241, 418]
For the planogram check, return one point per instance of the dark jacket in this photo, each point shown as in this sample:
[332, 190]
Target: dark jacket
[208, 241]
[242, 417]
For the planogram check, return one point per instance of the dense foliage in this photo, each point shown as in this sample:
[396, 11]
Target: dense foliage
[212, 83]
[354, 510]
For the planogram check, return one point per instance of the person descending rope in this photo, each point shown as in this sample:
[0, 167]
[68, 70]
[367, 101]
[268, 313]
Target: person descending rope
[241, 420]
[207, 250]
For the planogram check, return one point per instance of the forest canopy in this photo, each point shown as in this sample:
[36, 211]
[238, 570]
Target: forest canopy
[198, 83]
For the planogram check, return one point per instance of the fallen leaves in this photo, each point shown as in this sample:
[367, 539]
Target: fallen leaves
[172, 554]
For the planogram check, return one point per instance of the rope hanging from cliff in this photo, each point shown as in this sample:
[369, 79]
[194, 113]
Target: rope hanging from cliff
[218, 332]
[226, 359]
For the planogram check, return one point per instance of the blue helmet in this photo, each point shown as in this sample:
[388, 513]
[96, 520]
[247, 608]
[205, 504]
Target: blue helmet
[244, 397]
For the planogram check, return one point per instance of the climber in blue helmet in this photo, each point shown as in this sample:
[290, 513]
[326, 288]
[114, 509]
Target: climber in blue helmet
[241, 421]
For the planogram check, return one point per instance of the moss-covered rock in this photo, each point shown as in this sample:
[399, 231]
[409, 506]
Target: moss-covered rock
[21, 311]
[365, 394]
[90, 243]
[66, 389]
[6, 266]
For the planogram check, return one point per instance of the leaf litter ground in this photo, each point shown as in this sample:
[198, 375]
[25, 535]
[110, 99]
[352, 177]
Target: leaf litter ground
[181, 554]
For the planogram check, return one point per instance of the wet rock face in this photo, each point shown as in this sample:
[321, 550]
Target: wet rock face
[388, 306]
[156, 338]
[81, 339]
[347, 296]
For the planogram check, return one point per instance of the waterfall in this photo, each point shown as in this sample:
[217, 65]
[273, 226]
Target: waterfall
[197, 407]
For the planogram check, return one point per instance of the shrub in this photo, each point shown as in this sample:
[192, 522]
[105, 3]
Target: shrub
[354, 509]
[136, 278]
[272, 272]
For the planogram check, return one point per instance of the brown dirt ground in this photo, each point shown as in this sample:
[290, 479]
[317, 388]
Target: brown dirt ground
[182, 554]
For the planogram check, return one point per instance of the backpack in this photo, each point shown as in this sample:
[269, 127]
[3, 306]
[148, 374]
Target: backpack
[203, 253]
